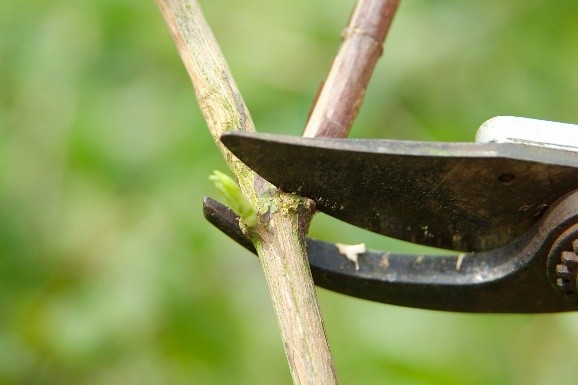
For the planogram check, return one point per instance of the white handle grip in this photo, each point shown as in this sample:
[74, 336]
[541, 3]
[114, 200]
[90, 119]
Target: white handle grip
[511, 129]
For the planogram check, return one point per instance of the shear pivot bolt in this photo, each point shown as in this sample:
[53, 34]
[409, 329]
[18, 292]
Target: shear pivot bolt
[567, 273]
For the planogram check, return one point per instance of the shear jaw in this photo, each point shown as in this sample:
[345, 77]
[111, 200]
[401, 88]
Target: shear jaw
[456, 196]
[525, 274]
[518, 278]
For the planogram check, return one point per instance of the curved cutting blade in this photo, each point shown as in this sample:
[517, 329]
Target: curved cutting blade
[459, 196]
[510, 279]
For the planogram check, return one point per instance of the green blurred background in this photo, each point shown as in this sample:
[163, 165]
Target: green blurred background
[110, 275]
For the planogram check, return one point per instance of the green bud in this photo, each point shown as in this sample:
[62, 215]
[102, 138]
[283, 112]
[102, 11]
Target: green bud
[235, 199]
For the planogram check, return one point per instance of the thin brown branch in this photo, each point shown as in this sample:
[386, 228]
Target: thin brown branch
[342, 93]
[283, 221]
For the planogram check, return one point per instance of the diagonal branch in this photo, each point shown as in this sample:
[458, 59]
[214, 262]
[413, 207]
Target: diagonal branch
[283, 221]
[342, 93]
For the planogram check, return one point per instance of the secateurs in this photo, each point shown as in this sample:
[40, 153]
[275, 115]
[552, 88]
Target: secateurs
[507, 204]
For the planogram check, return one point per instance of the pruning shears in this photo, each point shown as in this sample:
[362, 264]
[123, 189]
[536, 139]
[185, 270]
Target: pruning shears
[506, 205]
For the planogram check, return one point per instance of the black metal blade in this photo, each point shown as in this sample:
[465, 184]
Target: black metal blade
[459, 196]
[511, 279]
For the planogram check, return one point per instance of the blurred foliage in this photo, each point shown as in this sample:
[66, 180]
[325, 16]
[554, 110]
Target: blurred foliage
[110, 275]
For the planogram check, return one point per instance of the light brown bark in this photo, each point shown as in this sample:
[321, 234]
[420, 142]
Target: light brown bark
[342, 93]
[283, 220]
